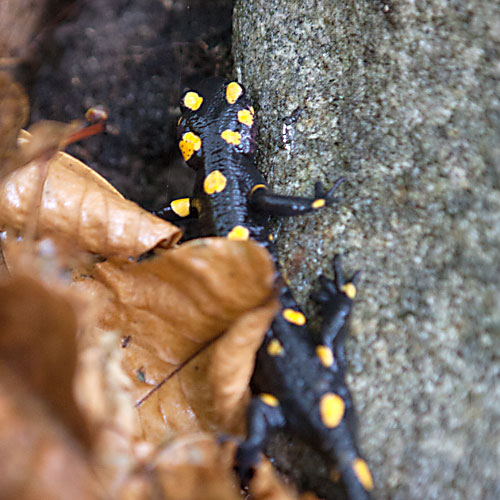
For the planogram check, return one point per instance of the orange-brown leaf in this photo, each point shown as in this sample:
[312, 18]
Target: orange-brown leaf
[18, 21]
[44, 139]
[232, 360]
[266, 485]
[38, 331]
[14, 114]
[38, 458]
[196, 466]
[79, 205]
[168, 310]
[103, 393]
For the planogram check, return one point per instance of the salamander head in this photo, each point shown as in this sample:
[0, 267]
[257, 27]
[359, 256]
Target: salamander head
[218, 117]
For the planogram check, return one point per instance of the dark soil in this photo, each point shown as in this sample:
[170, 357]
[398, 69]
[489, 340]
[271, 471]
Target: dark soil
[134, 58]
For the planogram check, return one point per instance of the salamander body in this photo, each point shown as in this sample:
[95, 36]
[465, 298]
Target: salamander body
[299, 378]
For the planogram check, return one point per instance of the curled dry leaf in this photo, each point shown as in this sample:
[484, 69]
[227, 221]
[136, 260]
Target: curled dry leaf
[231, 366]
[38, 459]
[14, 114]
[169, 310]
[79, 205]
[103, 392]
[38, 331]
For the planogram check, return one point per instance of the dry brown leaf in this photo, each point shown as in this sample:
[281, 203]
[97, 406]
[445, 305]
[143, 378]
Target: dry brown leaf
[38, 459]
[19, 20]
[189, 467]
[309, 495]
[231, 365]
[266, 485]
[14, 108]
[44, 139]
[103, 393]
[196, 467]
[38, 341]
[168, 309]
[79, 205]
[50, 259]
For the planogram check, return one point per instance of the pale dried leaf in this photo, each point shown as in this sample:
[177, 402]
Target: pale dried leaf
[80, 206]
[38, 458]
[102, 391]
[49, 259]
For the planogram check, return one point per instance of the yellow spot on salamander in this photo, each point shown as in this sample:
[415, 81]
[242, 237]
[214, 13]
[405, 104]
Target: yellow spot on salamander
[325, 355]
[269, 399]
[274, 348]
[363, 473]
[319, 203]
[331, 409]
[238, 233]
[231, 137]
[252, 110]
[245, 116]
[181, 207]
[257, 186]
[350, 290]
[233, 92]
[193, 101]
[293, 316]
[188, 144]
[214, 182]
[271, 237]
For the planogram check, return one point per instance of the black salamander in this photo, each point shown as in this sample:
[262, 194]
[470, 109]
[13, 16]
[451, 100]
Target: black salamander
[300, 383]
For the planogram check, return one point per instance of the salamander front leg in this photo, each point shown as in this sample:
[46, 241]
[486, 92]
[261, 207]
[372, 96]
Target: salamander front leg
[264, 414]
[182, 212]
[178, 210]
[263, 200]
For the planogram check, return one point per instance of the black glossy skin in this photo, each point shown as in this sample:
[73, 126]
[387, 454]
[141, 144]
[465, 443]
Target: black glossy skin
[296, 377]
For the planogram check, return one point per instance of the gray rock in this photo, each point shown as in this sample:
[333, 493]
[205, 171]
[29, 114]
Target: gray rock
[403, 98]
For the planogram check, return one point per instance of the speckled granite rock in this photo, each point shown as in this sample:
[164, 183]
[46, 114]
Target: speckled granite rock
[403, 98]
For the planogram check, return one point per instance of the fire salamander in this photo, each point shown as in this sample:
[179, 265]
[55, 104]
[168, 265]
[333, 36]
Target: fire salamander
[298, 383]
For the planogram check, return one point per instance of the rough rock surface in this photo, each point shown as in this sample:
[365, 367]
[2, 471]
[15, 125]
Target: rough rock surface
[403, 98]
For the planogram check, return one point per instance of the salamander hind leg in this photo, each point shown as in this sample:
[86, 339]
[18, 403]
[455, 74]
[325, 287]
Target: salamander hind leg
[264, 415]
[336, 299]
